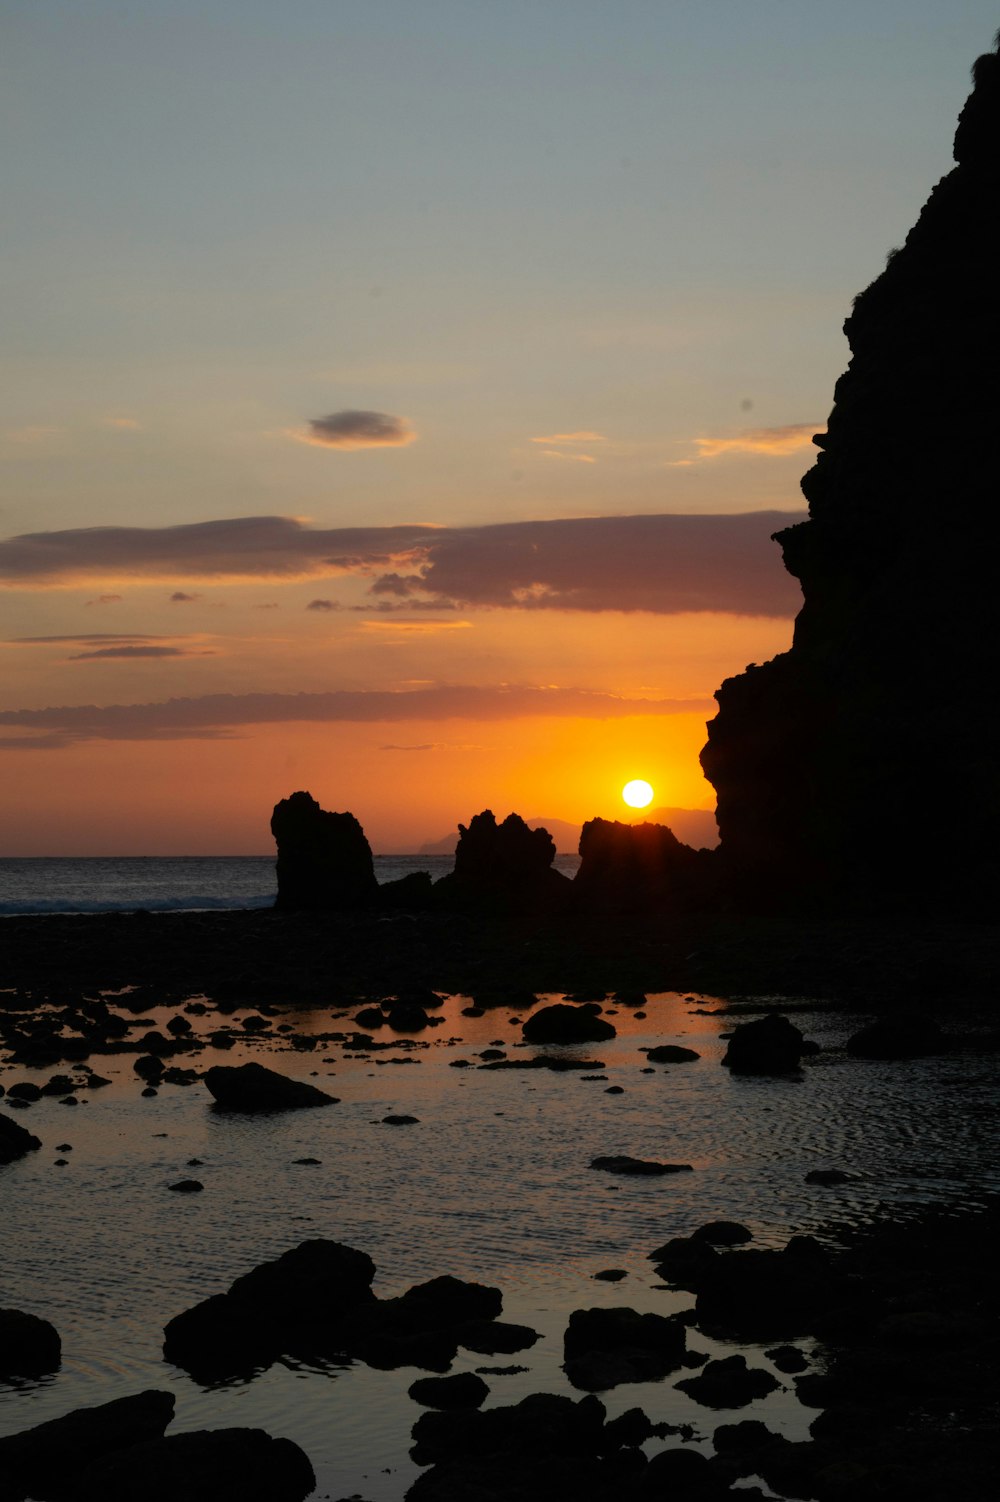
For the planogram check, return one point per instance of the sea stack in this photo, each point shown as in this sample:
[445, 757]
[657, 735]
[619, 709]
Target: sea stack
[324, 860]
[859, 767]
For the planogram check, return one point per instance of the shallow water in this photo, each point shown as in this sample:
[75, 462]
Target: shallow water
[492, 1184]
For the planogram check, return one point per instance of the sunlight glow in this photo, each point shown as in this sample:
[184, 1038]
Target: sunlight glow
[637, 794]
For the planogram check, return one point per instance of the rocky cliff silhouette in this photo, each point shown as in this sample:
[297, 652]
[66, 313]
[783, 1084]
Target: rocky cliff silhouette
[884, 701]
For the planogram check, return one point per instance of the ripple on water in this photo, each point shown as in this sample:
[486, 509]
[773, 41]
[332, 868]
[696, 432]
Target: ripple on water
[492, 1183]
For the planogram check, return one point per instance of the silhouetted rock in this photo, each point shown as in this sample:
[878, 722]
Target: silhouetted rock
[324, 860]
[504, 868]
[252, 1088]
[29, 1346]
[412, 893]
[627, 868]
[42, 1462]
[14, 1140]
[763, 1294]
[560, 1023]
[723, 1233]
[464, 1390]
[648, 1167]
[670, 1053]
[729, 1383]
[495, 1337]
[682, 1261]
[206, 1465]
[681, 1476]
[769, 1045]
[606, 1347]
[822, 758]
[898, 1038]
[542, 1424]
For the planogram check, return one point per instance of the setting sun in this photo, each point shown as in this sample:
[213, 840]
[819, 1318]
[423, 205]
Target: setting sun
[637, 794]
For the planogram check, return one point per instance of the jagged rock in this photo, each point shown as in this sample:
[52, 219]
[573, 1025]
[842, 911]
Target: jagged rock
[42, 1462]
[504, 868]
[822, 757]
[605, 1347]
[205, 1465]
[770, 1045]
[29, 1346]
[14, 1140]
[413, 893]
[464, 1390]
[637, 868]
[560, 1023]
[250, 1088]
[324, 860]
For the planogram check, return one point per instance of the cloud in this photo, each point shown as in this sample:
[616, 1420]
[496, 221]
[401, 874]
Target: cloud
[323, 605]
[124, 424]
[426, 746]
[357, 430]
[36, 433]
[583, 437]
[214, 716]
[557, 454]
[771, 441]
[129, 652]
[416, 628]
[180, 598]
[664, 563]
[104, 600]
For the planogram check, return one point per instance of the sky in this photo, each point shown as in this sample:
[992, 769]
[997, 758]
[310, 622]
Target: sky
[399, 399]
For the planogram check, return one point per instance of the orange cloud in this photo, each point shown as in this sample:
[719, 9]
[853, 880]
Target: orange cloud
[773, 441]
[558, 454]
[582, 437]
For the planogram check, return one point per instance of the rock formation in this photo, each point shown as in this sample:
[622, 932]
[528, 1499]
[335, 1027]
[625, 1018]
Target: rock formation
[324, 860]
[637, 868]
[824, 758]
[504, 868]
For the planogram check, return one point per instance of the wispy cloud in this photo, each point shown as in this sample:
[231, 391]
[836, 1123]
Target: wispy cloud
[117, 646]
[123, 424]
[217, 715]
[663, 563]
[352, 429]
[585, 436]
[415, 628]
[323, 605]
[789, 439]
[127, 653]
[180, 598]
[104, 600]
[558, 454]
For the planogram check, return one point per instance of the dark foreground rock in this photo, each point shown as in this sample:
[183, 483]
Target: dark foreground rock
[464, 1390]
[627, 868]
[207, 1465]
[606, 1347]
[15, 1141]
[324, 859]
[29, 1346]
[251, 1088]
[561, 1023]
[671, 1053]
[729, 1383]
[504, 868]
[770, 1045]
[639, 1167]
[47, 1461]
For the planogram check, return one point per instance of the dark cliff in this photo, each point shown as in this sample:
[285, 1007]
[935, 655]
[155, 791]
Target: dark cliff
[826, 759]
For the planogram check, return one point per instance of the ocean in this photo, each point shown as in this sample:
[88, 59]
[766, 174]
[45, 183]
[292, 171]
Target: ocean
[173, 883]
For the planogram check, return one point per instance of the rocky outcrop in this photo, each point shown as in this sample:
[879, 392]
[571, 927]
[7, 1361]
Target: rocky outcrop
[14, 1140]
[768, 1045]
[628, 868]
[250, 1088]
[823, 758]
[560, 1023]
[42, 1462]
[205, 1465]
[324, 860]
[29, 1346]
[504, 868]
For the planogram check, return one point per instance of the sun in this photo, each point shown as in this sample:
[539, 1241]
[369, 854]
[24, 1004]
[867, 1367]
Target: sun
[637, 794]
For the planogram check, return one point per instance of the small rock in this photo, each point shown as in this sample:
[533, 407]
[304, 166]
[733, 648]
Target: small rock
[638, 1166]
[187, 1186]
[464, 1390]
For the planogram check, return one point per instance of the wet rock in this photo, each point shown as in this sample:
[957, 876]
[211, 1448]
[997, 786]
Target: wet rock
[14, 1140]
[560, 1023]
[683, 1260]
[638, 1166]
[149, 1067]
[610, 1275]
[407, 1017]
[723, 1233]
[187, 1186]
[179, 1026]
[829, 1176]
[496, 1337]
[251, 1088]
[729, 1383]
[746, 1436]
[206, 1465]
[542, 1424]
[504, 868]
[400, 1120]
[788, 1359]
[761, 1294]
[370, 1017]
[24, 1090]
[909, 1038]
[681, 1476]
[47, 1460]
[670, 1053]
[58, 1084]
[770, 1045]
[29, 1346]
[324, 860]
[464, 1390]
[606, 1347]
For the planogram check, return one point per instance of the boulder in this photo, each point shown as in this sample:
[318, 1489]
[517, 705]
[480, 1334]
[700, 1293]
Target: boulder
[29, 1346]
[723, 1233]
[637, 868]
[14, 1140]
[41, 1462]
[605, 1347]
[681, 1476]
[205, 1465]
[560, 1023]
[251, 1088]
[729, 1383]
[761, 1294]
[464, 1390]
[495, 1337]
[324, 861]
[542, 1424]
[769, 1045]
[639, 1167]
[504, 868]
[670, 1053]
